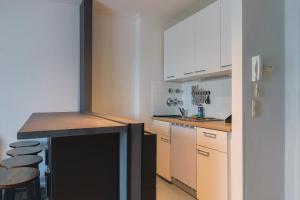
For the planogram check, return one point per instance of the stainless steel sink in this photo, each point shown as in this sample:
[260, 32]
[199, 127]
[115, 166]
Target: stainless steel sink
[200, 119]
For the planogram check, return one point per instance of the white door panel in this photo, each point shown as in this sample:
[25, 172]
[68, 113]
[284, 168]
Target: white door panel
[163, 157]
[226, 35]
[212, 178]
[183, 154]
[207, 39]
[178, 49]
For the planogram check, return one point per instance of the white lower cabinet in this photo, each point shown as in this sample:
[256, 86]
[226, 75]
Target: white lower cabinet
[163, 157]
[183, 156]
[212, 165]
[161, 128]
[212, 174]
[163, 148]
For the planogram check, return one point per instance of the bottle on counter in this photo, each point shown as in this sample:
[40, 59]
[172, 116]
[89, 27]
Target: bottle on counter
[201, 111]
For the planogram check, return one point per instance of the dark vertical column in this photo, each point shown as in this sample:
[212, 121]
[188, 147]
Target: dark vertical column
[149, 167]
[86, 50]
[135, 152]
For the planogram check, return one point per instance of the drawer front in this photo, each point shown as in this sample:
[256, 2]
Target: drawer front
[161, 128]
[163, 157]
[212, 139]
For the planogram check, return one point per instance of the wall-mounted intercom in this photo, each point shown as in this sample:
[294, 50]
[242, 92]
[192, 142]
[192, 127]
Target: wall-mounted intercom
[257, 68]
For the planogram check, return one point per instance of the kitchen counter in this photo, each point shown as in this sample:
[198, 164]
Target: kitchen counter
[215, 125]
[91, 149]
[123, 120]
[44, 125]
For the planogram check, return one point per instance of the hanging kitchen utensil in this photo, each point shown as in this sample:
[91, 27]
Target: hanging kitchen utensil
[207, 101]
[170, 90]
[170, 102]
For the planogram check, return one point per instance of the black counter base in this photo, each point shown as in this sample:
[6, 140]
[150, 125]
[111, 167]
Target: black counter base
[85, 167]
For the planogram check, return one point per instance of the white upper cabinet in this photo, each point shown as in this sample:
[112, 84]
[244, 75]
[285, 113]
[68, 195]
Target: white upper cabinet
[199, 45]
[226, 35]
[207, 39]
[178, 49]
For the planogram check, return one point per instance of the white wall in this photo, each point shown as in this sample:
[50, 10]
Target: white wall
[292, 93]
[127, 58]
[39, 62]
[237, 151]
[151, 61]
[114, 45]
[264, 138]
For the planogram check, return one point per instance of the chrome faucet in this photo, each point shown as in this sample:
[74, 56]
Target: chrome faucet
[183, 112]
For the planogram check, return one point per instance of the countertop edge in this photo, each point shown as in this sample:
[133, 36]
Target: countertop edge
[69, 132]
[226, 127]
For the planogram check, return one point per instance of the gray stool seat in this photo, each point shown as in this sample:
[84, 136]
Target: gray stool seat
[15, 178]
[29, 143]
[24, 151]
[22, 161]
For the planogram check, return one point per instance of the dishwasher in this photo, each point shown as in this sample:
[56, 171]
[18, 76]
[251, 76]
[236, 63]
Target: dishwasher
[184, 157]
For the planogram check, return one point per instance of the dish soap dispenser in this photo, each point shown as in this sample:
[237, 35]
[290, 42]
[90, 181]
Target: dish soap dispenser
[201, 111]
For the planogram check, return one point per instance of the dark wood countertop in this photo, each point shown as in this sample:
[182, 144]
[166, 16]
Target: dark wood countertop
[123, 120]
[44, 125]
[214, 125]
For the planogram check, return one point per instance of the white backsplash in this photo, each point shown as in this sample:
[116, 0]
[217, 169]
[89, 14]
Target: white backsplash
[220, 97]
[160, 95]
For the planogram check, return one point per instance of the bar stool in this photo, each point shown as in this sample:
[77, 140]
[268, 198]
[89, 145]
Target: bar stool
[24, 161]
[24, 151]
[29, 143]
[15, 178]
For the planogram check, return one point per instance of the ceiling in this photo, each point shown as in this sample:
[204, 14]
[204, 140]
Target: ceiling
[159, 8]
[175, 9]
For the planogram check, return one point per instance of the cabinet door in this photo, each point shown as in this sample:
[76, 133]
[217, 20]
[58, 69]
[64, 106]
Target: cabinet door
[161, 128]
[207, 39]
[226, 35]
[212, 139]
[163, 157]
[178, 49]
[169, 54]
[183, 156]
[212, 175]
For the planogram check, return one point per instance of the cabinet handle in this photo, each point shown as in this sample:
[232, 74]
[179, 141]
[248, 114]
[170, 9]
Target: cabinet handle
[200, 71]
[225, 66]
[171, 77]
[210, 135]
[189, 73]
[203, 153]
[164, 140]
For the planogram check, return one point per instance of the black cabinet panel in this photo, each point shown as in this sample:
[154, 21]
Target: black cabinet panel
[149, 167]
[85, 167]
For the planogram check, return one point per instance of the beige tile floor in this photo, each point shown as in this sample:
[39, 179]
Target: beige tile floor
[167, 191]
